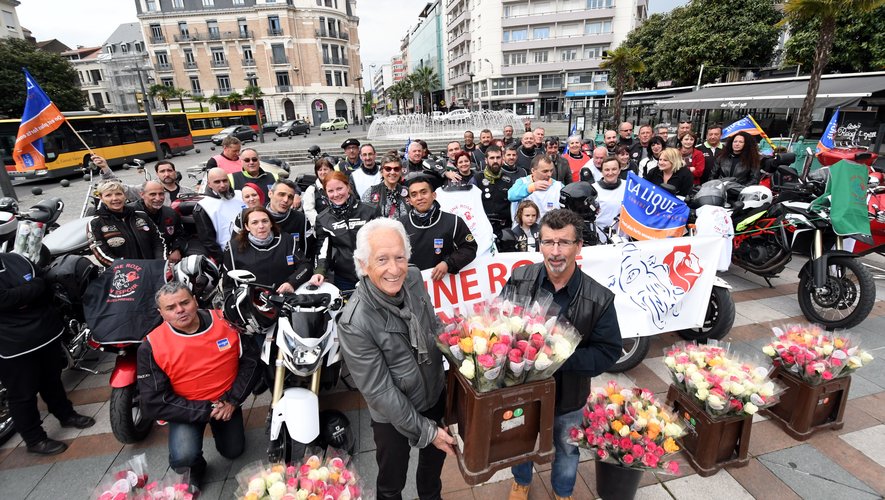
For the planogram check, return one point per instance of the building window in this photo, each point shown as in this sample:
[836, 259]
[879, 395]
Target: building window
[243, 26]
[214, 32]
[157, 33]
[502, 86]
[239, 2]
[541, 33]
[223, 83]
[540, 56]
[189, 57]
[124, 48]
[580, 78]
[151, 5]
[598, 27]
[95, 75]
[208, 3]
[344, 76]
[338, 79]
[283, 78]
[516, 10]
[139, 47]
[218, 58]
[514, 58]
[594, 51]
[527, 84]
[195, 85]
[572, 29]
[80, 74]
[177, 4]
[600, 4]
[569, 54]
[247, 54]
[162, 59]
[167, 82]
[328, 78]
[182, 28]
[279, 53]
[551, 81]
[543, 7]
[517, 35]
[274, 27]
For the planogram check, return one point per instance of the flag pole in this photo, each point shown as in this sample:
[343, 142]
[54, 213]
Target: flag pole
[762, 132]
[78, 137]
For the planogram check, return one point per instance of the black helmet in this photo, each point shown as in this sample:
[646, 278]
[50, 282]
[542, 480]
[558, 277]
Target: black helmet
[580, 197]
[199, 274]
[248, 309]
[314, 150]
[8, 204]
[710, 193]
[335, 430]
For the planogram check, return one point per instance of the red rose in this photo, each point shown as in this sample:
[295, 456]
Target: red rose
[515, 355]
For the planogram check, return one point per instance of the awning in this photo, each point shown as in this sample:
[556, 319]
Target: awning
[834, 91]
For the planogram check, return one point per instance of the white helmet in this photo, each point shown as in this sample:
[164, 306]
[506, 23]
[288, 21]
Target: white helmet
[755, 196]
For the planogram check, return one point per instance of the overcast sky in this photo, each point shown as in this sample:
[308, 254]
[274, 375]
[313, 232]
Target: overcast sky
[382, 22]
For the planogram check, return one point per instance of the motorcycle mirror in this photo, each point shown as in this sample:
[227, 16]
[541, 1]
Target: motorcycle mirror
[138, 163]
[177, 176]
[241, 276]
[126, 166]
[863, 157]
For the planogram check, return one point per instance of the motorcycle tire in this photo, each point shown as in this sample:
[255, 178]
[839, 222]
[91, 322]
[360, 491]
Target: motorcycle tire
[718, 320]
[128, 423]
[633, 352]
[6, 428]
[862, 293]
[284, 449]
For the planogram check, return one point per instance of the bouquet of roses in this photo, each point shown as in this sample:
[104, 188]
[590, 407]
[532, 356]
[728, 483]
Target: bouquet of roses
[131, 482]
[630, 428]
[719, 380]
[312, 478]
[815, 355]
[502, 343]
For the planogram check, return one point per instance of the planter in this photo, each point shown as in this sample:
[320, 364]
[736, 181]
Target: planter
[711, 444]
[804, 408]
[616, 482]
[501, 428]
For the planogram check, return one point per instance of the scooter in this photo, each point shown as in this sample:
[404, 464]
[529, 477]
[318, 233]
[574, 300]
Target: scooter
[298, 332]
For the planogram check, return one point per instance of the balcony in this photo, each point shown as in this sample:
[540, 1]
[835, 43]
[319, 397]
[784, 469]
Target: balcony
[158, 39]
[163, 67]
[219, 64]
[551, 66]
[190, 65]
[275, 32]
[458, 59]
[196, 93]
[280, 59]
[462, 78]
[284, 88]
[456, 19]
[460, 38]
[342, 61]
[214, 36]
[558, 41]
[563, 16]
[323, 33]
[223, 91]
[248, 63]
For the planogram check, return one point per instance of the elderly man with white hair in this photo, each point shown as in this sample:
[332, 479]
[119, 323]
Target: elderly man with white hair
[387, 333]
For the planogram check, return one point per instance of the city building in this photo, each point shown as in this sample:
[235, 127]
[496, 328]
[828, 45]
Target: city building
[382, 79]
[85, 62]
[534, 57]
[303, 54]
[13, 29]
[123, 56]
[427, 49]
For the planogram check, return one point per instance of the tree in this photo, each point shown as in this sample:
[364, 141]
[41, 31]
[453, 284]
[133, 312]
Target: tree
[368, 103]
[178, 93]
[424, 80]
[54, 74]
[400, 91]
[234, 98]
[826, 12]
[723, 36]
[161, 92]
[199, 99]
[859, 45]
[253, 92]
[622, 64]
[218, 101]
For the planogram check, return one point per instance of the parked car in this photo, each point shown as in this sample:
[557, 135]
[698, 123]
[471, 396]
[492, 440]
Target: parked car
[293, 127]
[269, 127]
[458, 115]
[338, 123]
[241, 132]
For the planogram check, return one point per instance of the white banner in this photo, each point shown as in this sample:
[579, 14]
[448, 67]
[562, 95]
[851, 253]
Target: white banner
[659, 285]
[467, 204]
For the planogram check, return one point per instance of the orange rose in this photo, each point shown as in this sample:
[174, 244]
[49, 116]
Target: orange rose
[670, 445]
[616, 398]
[652, 430]
[466, 345]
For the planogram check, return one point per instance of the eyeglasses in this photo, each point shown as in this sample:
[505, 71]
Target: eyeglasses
[561, 243]
[393, 169]
[249, 160]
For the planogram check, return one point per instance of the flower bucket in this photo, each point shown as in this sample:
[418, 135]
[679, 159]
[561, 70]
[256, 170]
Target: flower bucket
[616, 482]
[711, 444]
[805, 408]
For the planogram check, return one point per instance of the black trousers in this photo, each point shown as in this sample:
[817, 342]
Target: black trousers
[392, 455]
[27, 375]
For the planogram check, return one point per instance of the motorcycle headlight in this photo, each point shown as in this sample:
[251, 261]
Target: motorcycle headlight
[303, 356]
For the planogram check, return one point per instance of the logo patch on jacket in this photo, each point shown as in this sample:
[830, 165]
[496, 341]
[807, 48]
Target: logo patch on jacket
[290, 260]
[223, 344]
[28, 277]
[437, 245]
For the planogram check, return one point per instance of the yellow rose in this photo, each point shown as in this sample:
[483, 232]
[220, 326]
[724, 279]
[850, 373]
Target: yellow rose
[750, 408]
[768, 350]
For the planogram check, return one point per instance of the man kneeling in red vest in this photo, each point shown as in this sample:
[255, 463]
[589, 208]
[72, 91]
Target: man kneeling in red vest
[194, 370]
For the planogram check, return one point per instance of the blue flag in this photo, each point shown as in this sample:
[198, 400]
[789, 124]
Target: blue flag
[650, 212]
[408, 142]
[745, 124]
[828, 140]
[39, 119]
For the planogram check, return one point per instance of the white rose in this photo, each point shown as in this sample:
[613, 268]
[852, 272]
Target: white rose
[257, 485]
[703, 384]
[468, 369]
[480, 345]
[691, 369]
[769, 351]
[750, 408]
[715, 402]
[866, 357]
[273, 477]
[562, 349]
[702, 394]
[625, 431]
[516, 324]
[767, 389]
[277, 490]
[670, 362]
[672, 430]
[736, 388]
[854, 362]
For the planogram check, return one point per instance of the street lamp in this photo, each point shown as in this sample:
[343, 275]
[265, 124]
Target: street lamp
[471, 75]
[561, 96]
[252, 80]
[359, 84]
[147, 108]
[489, 88]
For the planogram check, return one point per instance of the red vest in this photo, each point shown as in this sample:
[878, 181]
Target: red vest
[201, 366]
[228, 165]
[576, 164]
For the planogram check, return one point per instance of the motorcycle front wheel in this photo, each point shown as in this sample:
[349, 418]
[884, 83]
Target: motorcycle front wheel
[127, 421]
[718, 320]
[846, 298]
[284, 449]
[6, 427]
[633, 352]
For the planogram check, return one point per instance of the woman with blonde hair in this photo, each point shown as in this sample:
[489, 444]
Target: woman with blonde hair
[670, 171]
[118, 231]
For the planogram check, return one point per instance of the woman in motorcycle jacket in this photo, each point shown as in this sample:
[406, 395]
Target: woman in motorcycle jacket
[268, 253]
[739, 159]
[315, 200]
[609, 195]
[655, 147]
[121, 232]
[336, 230]
[391, 195]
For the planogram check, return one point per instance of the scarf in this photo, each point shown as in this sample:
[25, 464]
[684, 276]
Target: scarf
[341, 211]
[276, 215]
[606, 185]
[260, 242]
[425, 219]
[489, 176]
[402, 306]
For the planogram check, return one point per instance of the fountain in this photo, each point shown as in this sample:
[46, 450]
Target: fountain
[442, 127]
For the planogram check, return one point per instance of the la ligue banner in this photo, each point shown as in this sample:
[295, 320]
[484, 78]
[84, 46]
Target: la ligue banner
[659, 285]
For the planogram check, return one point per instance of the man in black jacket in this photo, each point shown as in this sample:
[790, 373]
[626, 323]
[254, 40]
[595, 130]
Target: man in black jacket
[252, 172]
[440, 241]
[526, 153]
[590, 308]
[31, 359]
[494, 184]
[167, 220]
[281, 198]
[194, 370]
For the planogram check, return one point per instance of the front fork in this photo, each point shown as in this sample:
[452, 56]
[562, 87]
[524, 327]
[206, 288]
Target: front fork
[280, 378]
[818, 262]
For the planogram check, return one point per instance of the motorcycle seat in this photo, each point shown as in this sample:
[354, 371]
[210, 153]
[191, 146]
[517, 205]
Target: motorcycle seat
[46, 211]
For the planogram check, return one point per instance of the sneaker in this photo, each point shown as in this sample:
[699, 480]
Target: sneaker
[518, 491]
[47, 447]
[78, 421]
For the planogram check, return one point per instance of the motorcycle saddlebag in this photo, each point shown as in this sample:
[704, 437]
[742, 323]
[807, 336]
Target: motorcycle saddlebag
[71, 274]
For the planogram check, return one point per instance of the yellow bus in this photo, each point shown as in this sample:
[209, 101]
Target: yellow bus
[205, 125]
[118, 138]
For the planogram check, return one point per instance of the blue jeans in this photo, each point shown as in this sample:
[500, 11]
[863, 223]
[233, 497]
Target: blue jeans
[186, 443]
[565, 459]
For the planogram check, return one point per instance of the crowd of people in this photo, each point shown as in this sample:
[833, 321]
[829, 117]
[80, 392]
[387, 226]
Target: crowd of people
[369, 223]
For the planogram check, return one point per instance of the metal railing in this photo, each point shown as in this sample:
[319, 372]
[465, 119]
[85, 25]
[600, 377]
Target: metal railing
[275, 32]
[284, 88]
[248, 62]
[163, 67]
[219, 64]
[190, 65]
[223, 91]
[214, 35]
[280, 60]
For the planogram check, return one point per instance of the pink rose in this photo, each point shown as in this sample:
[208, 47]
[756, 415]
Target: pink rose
[531, 353]
[627, 459]
[487, 361]
[575, 434]
[650, 460]
[515, 355]
[673, 467]
[636, 450]
[500, 349]
[827, 375]
[506, 340]
[522, 345]
[537, 340]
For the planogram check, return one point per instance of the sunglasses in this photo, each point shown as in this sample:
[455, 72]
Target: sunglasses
[249, 160]
[393, 169]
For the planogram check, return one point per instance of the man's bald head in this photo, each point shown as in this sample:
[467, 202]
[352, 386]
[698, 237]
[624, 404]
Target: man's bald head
[599, 155]
[153, 194]
[217, 180]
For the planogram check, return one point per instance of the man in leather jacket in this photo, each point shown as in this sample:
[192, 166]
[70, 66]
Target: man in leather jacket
[590, 308]
[168, 221]
[387, 333]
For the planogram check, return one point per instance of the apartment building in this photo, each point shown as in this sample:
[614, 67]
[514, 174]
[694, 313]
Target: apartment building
[304, 54]
[382, 79]
[427, 50]
[12, 29]
[123, 54]
[534, 57]
[85, 61]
